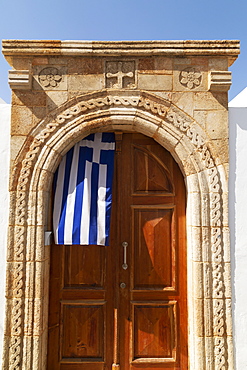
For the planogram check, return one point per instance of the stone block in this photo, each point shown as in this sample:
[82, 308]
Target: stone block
[16, 145]
[217, 124]
[55, 99]
[204, 101]
[166, 95]
[198, 317]
[146, 64]
[21, 63]
[218, 64]
[208, 317]
[163, 65]
[220, 151]
[194, 209]
[35, 252]
[154, 82]
[39, 113]
[56, 60]
[166, 139]
[184, 101]
[21, 120]
[86, 83]
[38, 61]
[85, 66]
[194, 241]
[198, 278]
[200, 117]
[145, 127]
[226, 243]
[29, 98]
[184, 61]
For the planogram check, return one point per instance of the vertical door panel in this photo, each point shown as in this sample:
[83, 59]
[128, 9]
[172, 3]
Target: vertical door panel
[153, 247]
[153, 223]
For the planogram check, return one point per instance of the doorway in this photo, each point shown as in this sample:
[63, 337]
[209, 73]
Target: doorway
[125, 306]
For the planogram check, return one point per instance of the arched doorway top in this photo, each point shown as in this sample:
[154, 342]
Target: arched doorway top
[117, 110]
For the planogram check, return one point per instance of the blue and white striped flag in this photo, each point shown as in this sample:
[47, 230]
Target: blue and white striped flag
[83, 192]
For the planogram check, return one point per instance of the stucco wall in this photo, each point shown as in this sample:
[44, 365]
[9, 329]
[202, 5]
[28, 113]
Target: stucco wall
[238, 223]
[4, 167]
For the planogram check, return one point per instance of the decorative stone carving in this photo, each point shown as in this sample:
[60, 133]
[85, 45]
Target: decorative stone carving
[190, 78]
[50, 77]
[220, 80]
[120, 74]
[166, 112]
[20, 80]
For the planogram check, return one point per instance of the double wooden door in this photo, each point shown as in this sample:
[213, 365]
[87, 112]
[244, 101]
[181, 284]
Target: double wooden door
[124, 306]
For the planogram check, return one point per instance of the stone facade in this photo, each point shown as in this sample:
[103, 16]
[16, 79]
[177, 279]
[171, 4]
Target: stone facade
[173, 91]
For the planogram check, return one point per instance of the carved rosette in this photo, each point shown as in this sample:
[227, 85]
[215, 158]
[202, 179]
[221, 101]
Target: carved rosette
[50, 77]
[190, 78]
[169, 113]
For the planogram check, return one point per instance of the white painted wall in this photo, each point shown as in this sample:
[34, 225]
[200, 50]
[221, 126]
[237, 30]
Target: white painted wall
[4, 204]
[238, 223]
[237, 206]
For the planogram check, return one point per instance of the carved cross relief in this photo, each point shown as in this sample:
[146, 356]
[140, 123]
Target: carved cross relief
[120, 74]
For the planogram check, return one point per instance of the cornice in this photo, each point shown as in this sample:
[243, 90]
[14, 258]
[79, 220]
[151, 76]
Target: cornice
[230, 48]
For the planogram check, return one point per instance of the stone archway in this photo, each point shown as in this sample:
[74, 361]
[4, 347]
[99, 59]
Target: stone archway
[209, 298]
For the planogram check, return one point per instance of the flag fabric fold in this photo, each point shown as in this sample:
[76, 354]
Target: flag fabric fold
[83, 192]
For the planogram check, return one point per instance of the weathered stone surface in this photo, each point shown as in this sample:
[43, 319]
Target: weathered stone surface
[16, 144]
[20, 80]
[85, 66]
[21, 120]
[50, 77]
[173, 91]
[29, 98]
[220, 80]
[216, 124]
[218, 64]
[85, 83]
[154, 82]
[55, 99]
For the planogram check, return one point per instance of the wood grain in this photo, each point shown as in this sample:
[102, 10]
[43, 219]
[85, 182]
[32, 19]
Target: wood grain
[93, 322]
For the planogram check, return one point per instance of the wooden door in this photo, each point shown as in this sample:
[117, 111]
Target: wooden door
[124, 306]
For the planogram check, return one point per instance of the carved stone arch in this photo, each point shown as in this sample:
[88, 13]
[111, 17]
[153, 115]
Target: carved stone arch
[208, 247]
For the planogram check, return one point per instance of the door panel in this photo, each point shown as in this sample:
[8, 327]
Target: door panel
[78, 332]
[155, 331]
[149, 175]
[153, 248]
[85, 266]
[125, 304]
[83, 330]
[153, 304]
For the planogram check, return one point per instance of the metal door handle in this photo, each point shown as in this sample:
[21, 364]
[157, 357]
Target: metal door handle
[124, 265]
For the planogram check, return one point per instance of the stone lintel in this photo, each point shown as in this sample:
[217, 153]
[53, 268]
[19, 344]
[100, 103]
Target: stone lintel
[220, 80]
[228, 48]
[20, 80]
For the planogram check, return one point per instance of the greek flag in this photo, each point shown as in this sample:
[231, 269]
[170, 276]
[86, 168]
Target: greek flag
[83, 192]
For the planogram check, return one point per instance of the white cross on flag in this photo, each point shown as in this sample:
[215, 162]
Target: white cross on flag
[83, 192]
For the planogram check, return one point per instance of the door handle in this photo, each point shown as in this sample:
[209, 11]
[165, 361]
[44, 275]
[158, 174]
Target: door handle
[124, 265]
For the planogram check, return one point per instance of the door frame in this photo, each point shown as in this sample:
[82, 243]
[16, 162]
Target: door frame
[208, 246]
